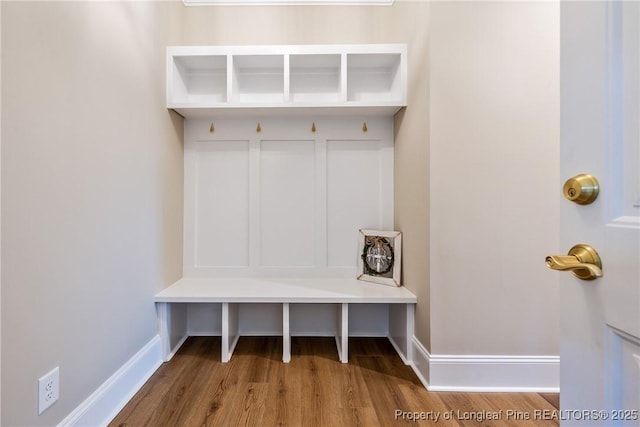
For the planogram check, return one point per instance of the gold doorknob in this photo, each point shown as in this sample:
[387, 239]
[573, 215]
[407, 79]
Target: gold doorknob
[582, 260]
[582, 189]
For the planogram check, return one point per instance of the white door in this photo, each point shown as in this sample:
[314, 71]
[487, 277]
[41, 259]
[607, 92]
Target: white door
[600, 329]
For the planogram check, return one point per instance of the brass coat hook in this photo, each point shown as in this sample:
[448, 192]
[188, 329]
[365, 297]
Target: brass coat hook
[258, 128]
[364, 127]
[313, 127]
[212, 129]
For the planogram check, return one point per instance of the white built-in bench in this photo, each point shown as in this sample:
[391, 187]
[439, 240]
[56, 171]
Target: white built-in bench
[231, 292]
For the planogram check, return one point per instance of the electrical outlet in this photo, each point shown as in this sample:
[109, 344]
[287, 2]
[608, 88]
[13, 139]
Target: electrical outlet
[48, 389]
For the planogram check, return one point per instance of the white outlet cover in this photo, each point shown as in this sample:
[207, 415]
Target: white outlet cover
[48, 389]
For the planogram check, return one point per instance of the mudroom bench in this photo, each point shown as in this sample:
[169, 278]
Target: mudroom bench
[338, 294]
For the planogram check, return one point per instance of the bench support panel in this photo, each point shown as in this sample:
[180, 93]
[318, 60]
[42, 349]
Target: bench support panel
[164, 313]
[401, 329]
[286, 334]
[230, 333]
[342, 338]
[172, 329]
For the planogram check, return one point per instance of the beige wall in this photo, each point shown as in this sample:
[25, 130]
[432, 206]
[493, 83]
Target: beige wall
[290, 25]
[91, 193]
[411, 168]
[0, 217]
[494, 158]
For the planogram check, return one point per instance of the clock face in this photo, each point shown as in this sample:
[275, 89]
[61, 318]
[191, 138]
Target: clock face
[377, 255]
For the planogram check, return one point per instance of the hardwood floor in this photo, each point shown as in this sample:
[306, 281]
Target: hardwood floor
[256, 389]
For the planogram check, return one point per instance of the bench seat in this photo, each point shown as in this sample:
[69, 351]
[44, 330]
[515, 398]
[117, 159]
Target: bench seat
[230, 292]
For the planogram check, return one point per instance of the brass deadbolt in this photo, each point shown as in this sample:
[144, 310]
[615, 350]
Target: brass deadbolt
[582, 189]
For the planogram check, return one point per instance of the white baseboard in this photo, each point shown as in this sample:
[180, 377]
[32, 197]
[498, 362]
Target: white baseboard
[104, 404]
[486, 373]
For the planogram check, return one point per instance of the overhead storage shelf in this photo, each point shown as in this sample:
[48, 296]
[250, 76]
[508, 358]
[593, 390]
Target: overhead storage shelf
[258, 79]
[324, 79]
[198, 79]
[315, 78]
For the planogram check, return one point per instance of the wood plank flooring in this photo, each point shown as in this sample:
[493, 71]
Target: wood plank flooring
[256, 389]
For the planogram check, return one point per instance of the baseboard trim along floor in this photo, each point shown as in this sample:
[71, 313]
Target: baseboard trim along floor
[107, 401]
[486, 373]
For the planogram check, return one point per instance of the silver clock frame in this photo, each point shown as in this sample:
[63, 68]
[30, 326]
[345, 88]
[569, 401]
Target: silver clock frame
[395, 240]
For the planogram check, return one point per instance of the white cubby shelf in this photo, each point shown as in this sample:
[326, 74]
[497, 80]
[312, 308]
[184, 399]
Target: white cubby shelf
[339, 295]
[205, 81]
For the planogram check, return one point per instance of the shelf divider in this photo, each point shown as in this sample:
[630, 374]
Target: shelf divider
[287, 79]
[286, 334]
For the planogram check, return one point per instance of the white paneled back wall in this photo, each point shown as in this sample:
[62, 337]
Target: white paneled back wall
[284, 200]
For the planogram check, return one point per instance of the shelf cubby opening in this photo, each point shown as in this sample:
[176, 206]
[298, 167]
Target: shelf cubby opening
[315, 78]
[200, 79]
[374, 77]
[258, 79]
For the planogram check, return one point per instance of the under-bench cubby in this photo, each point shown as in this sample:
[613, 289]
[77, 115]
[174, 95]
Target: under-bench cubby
[288, 152]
